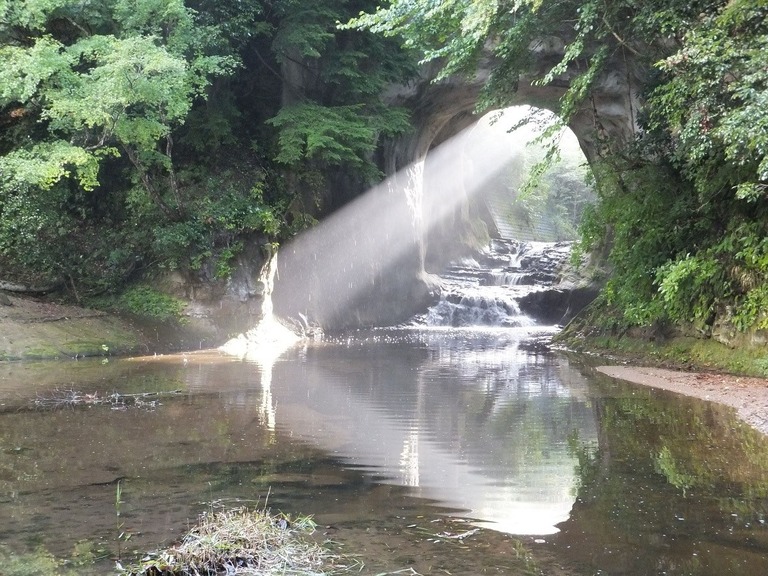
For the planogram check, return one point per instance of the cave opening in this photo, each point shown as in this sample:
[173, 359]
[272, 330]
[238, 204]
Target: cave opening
[500, 184]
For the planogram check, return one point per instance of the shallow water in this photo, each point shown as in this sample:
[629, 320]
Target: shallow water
[396, 442]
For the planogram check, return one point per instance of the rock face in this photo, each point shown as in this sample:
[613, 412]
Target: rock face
[217, 310]
[387, 292]
[557, 305]
[441, 110]
[562, 291]
[358, 268]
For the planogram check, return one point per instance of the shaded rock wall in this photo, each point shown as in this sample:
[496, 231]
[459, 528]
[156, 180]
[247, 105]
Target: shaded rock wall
[216, 309]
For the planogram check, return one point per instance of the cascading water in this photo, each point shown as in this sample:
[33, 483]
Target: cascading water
[485, 290]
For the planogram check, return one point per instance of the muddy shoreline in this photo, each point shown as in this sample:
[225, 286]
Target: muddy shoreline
[37, 329]
[747, 395]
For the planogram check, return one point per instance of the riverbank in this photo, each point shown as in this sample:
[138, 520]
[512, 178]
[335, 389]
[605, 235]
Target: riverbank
[699, 367]
[747, 395]
[34, 329]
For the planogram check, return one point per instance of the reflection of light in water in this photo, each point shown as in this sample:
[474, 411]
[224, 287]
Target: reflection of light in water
[468, 422]
[494, 450]
[264, 344]
[528, 501]
[533, 501]
[267, 407]
[409, 459]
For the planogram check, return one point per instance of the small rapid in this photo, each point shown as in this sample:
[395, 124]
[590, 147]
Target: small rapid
[486, 290]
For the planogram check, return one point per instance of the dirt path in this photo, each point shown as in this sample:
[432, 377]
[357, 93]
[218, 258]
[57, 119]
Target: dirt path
[749, 396]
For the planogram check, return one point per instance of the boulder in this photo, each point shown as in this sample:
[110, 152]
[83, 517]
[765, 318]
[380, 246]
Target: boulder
[557, 305]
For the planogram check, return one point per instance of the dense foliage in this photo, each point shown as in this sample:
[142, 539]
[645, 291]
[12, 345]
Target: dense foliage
[683, 207]
[688, 209]
[145, 134]
[556, 200]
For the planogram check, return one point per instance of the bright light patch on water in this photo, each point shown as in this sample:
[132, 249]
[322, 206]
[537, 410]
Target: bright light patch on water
[331, 265]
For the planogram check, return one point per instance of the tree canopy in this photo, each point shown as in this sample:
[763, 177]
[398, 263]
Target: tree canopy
[155, 134]
[138, 135]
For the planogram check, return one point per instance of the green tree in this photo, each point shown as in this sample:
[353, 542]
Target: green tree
[458, 33]
[711, 113]
[83, 86]
[333, 114]
[146, 134]
[121, 92]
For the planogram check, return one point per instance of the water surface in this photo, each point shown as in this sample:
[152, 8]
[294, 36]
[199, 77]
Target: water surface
[395, 441]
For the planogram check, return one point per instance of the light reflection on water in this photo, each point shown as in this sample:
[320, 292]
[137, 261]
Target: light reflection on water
[377, 432]
[463, 417]
[481, 427]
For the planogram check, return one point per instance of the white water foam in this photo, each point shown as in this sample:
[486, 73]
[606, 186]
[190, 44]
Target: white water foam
[269, 338]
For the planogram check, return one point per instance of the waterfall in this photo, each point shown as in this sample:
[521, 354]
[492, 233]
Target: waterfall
[269, 338]
[486, 292]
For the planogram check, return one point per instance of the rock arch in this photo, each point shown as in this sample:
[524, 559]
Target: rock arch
[606, 121]
[395, 290]
[441, 109]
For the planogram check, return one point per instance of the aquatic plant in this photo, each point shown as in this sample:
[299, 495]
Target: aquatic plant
[241, 542]
[121, 535]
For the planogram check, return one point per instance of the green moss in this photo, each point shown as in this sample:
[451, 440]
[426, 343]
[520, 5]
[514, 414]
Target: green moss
[88, 348]
[41, 352]
[678, 352]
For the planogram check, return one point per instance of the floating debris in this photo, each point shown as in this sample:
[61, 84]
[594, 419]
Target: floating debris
[57, 399]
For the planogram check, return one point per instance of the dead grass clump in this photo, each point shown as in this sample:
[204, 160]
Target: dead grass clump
[241, 542]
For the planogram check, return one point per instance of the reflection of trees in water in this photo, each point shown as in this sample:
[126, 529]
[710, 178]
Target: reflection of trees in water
[676, 486]
[522, 412]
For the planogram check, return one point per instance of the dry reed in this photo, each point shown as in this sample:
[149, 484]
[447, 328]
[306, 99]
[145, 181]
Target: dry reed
[241, 542]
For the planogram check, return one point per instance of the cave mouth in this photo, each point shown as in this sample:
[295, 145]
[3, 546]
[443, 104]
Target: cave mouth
[511, 203]
[364, 265]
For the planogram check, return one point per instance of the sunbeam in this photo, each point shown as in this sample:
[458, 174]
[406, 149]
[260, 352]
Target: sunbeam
[334, 272]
